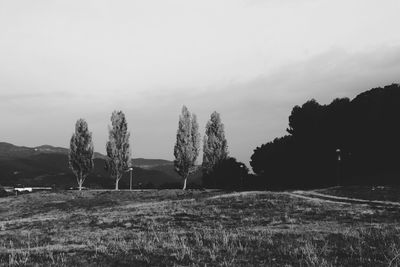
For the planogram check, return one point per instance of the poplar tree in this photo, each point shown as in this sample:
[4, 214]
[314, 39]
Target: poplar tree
[187, 146]
[80, 156]
[118, 148]
[215, 147]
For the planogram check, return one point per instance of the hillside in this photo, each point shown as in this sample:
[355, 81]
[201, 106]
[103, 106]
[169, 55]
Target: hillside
[48, 166]
[149, 163]
[196, 228]
[8, 150]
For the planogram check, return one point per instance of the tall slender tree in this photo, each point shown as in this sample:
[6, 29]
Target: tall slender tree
[215, 146]
[118, 148]
[195, 135]
[187, 146]
[80, 157]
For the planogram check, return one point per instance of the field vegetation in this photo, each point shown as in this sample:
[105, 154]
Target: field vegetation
[379, 193]
[194, 228]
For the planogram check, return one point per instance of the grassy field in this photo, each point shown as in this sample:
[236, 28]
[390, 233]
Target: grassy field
[195, 228]
[380, 193]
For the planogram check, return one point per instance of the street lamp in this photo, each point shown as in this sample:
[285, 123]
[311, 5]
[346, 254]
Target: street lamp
[130, 182]
[338, 165]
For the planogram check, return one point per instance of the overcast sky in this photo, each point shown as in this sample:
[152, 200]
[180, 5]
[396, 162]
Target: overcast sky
[250, 60]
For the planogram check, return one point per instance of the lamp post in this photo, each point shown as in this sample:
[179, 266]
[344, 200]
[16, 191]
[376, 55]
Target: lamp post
[130, 182]
[338, 166]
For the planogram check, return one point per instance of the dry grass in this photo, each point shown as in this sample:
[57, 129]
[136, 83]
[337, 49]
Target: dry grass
[195, 228]
[379, 193]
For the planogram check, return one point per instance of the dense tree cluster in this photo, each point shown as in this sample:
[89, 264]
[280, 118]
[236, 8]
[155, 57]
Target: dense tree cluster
[345, 142]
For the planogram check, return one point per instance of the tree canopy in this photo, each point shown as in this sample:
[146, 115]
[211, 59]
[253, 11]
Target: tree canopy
[215, 146]
[366, 130]
[118, 147]
[81, 152]
[187, 146]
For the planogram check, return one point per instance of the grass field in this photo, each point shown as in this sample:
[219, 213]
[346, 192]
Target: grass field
[380, 193]
[195, 228]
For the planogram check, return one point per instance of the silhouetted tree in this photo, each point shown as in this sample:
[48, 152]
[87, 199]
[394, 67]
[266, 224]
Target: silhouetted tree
[365, 129]
[228, 173]
[215, 146]
[81, 152]
[118, 148]
[272, 160]
[187, 146]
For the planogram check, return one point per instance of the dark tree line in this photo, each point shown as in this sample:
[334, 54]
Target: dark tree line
[366, 130]
[346, 142]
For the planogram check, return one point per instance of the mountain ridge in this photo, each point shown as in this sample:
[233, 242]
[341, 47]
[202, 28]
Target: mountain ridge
[12, 150]
[47, 165]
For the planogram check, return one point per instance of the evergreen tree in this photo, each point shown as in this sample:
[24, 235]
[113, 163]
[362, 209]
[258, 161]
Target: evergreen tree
[81, 152]
[215, 147]
[118, 149]
[187, 145]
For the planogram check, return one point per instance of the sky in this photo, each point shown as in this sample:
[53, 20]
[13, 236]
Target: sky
[250, 60]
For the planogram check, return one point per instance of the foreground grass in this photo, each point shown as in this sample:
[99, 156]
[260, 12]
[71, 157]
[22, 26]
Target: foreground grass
[195, 228]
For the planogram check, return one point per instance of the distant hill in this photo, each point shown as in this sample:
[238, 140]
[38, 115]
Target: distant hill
[48, 166]
[8, 150]
[149, 163]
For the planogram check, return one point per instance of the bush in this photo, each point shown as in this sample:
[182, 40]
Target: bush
[227, 174]
[3, 192]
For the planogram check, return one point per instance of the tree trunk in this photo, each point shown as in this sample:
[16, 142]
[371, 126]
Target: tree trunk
[116, 184]
[79, 180]
[184, 183]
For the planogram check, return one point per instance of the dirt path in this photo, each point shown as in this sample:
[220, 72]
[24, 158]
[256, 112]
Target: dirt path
[314, 196]
[237, 194]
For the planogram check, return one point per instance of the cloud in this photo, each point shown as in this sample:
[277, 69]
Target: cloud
[9, 96]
